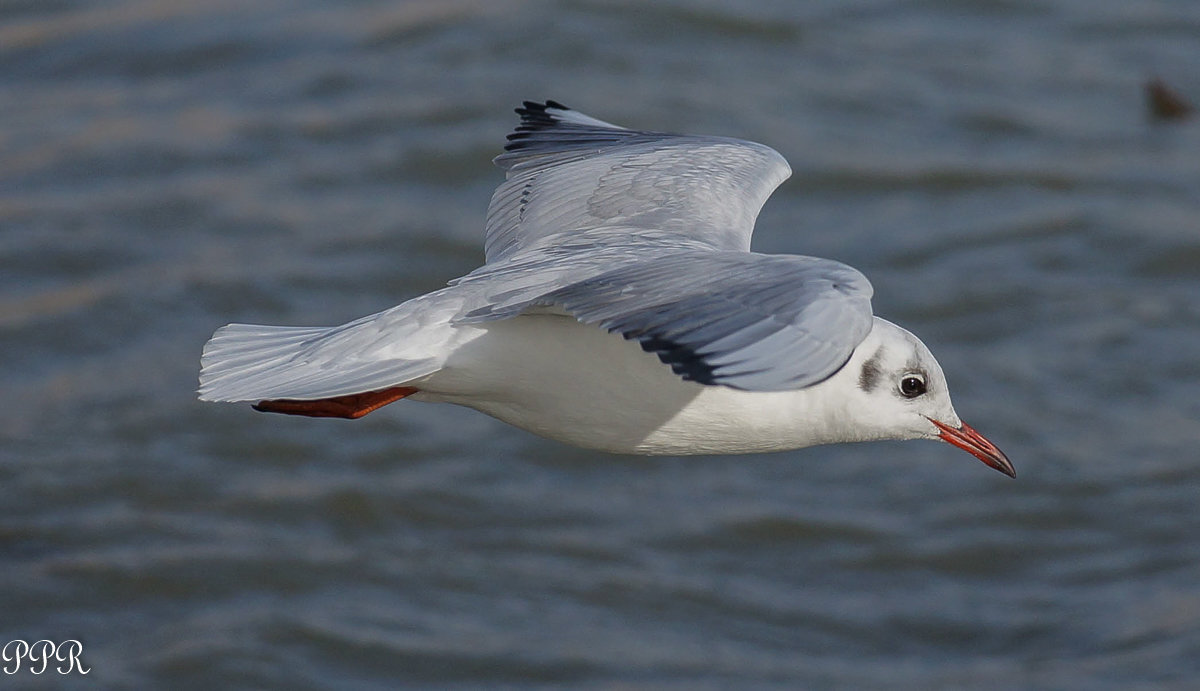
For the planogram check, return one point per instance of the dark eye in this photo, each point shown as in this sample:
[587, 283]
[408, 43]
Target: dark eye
[912, 386]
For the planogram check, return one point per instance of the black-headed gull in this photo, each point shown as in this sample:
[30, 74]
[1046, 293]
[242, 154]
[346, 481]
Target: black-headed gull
[620, 309]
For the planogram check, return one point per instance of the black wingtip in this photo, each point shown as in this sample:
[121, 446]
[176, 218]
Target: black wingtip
[534, 115]
[681, 358]
[553, 129]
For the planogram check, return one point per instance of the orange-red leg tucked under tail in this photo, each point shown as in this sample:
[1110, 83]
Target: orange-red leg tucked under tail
[351, 406]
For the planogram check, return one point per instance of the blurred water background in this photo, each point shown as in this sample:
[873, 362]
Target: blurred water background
[167, 167]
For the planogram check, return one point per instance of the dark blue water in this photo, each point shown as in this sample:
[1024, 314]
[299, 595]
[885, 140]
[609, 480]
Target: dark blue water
[167, 167]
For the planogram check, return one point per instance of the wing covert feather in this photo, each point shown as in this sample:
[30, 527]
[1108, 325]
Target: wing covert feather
[748, 321]
[570, 172]
[744, 320]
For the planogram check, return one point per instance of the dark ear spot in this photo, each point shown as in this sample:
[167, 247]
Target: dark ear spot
[868, 379]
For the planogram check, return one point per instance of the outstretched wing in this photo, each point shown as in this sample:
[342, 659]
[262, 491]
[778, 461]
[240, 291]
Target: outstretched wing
[568, 172]
[748, 321]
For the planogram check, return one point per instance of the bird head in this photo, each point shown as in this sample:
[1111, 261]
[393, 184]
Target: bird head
[901, 393]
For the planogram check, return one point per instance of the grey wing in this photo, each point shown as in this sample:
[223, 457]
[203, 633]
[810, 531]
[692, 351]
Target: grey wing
[743, 320]
[569, 172]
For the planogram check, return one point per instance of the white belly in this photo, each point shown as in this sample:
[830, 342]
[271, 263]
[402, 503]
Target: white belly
[578, 384]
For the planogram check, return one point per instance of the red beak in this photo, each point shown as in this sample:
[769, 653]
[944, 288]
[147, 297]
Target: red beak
[974, 443]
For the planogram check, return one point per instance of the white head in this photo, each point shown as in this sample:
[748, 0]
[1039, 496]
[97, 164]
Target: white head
[899, 392]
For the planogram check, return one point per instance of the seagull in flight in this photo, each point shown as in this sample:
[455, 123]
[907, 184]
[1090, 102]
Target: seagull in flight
[620, 308]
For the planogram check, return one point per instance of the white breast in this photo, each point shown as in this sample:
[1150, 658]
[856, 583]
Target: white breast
[578, 384]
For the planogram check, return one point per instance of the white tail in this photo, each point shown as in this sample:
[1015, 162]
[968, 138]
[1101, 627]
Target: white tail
[248, 362]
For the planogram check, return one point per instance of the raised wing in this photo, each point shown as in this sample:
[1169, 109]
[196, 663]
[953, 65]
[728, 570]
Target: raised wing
[744, 320]
[568, 172]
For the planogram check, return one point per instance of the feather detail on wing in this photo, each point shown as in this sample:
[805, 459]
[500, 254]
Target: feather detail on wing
[569, 172]
[748, 321]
